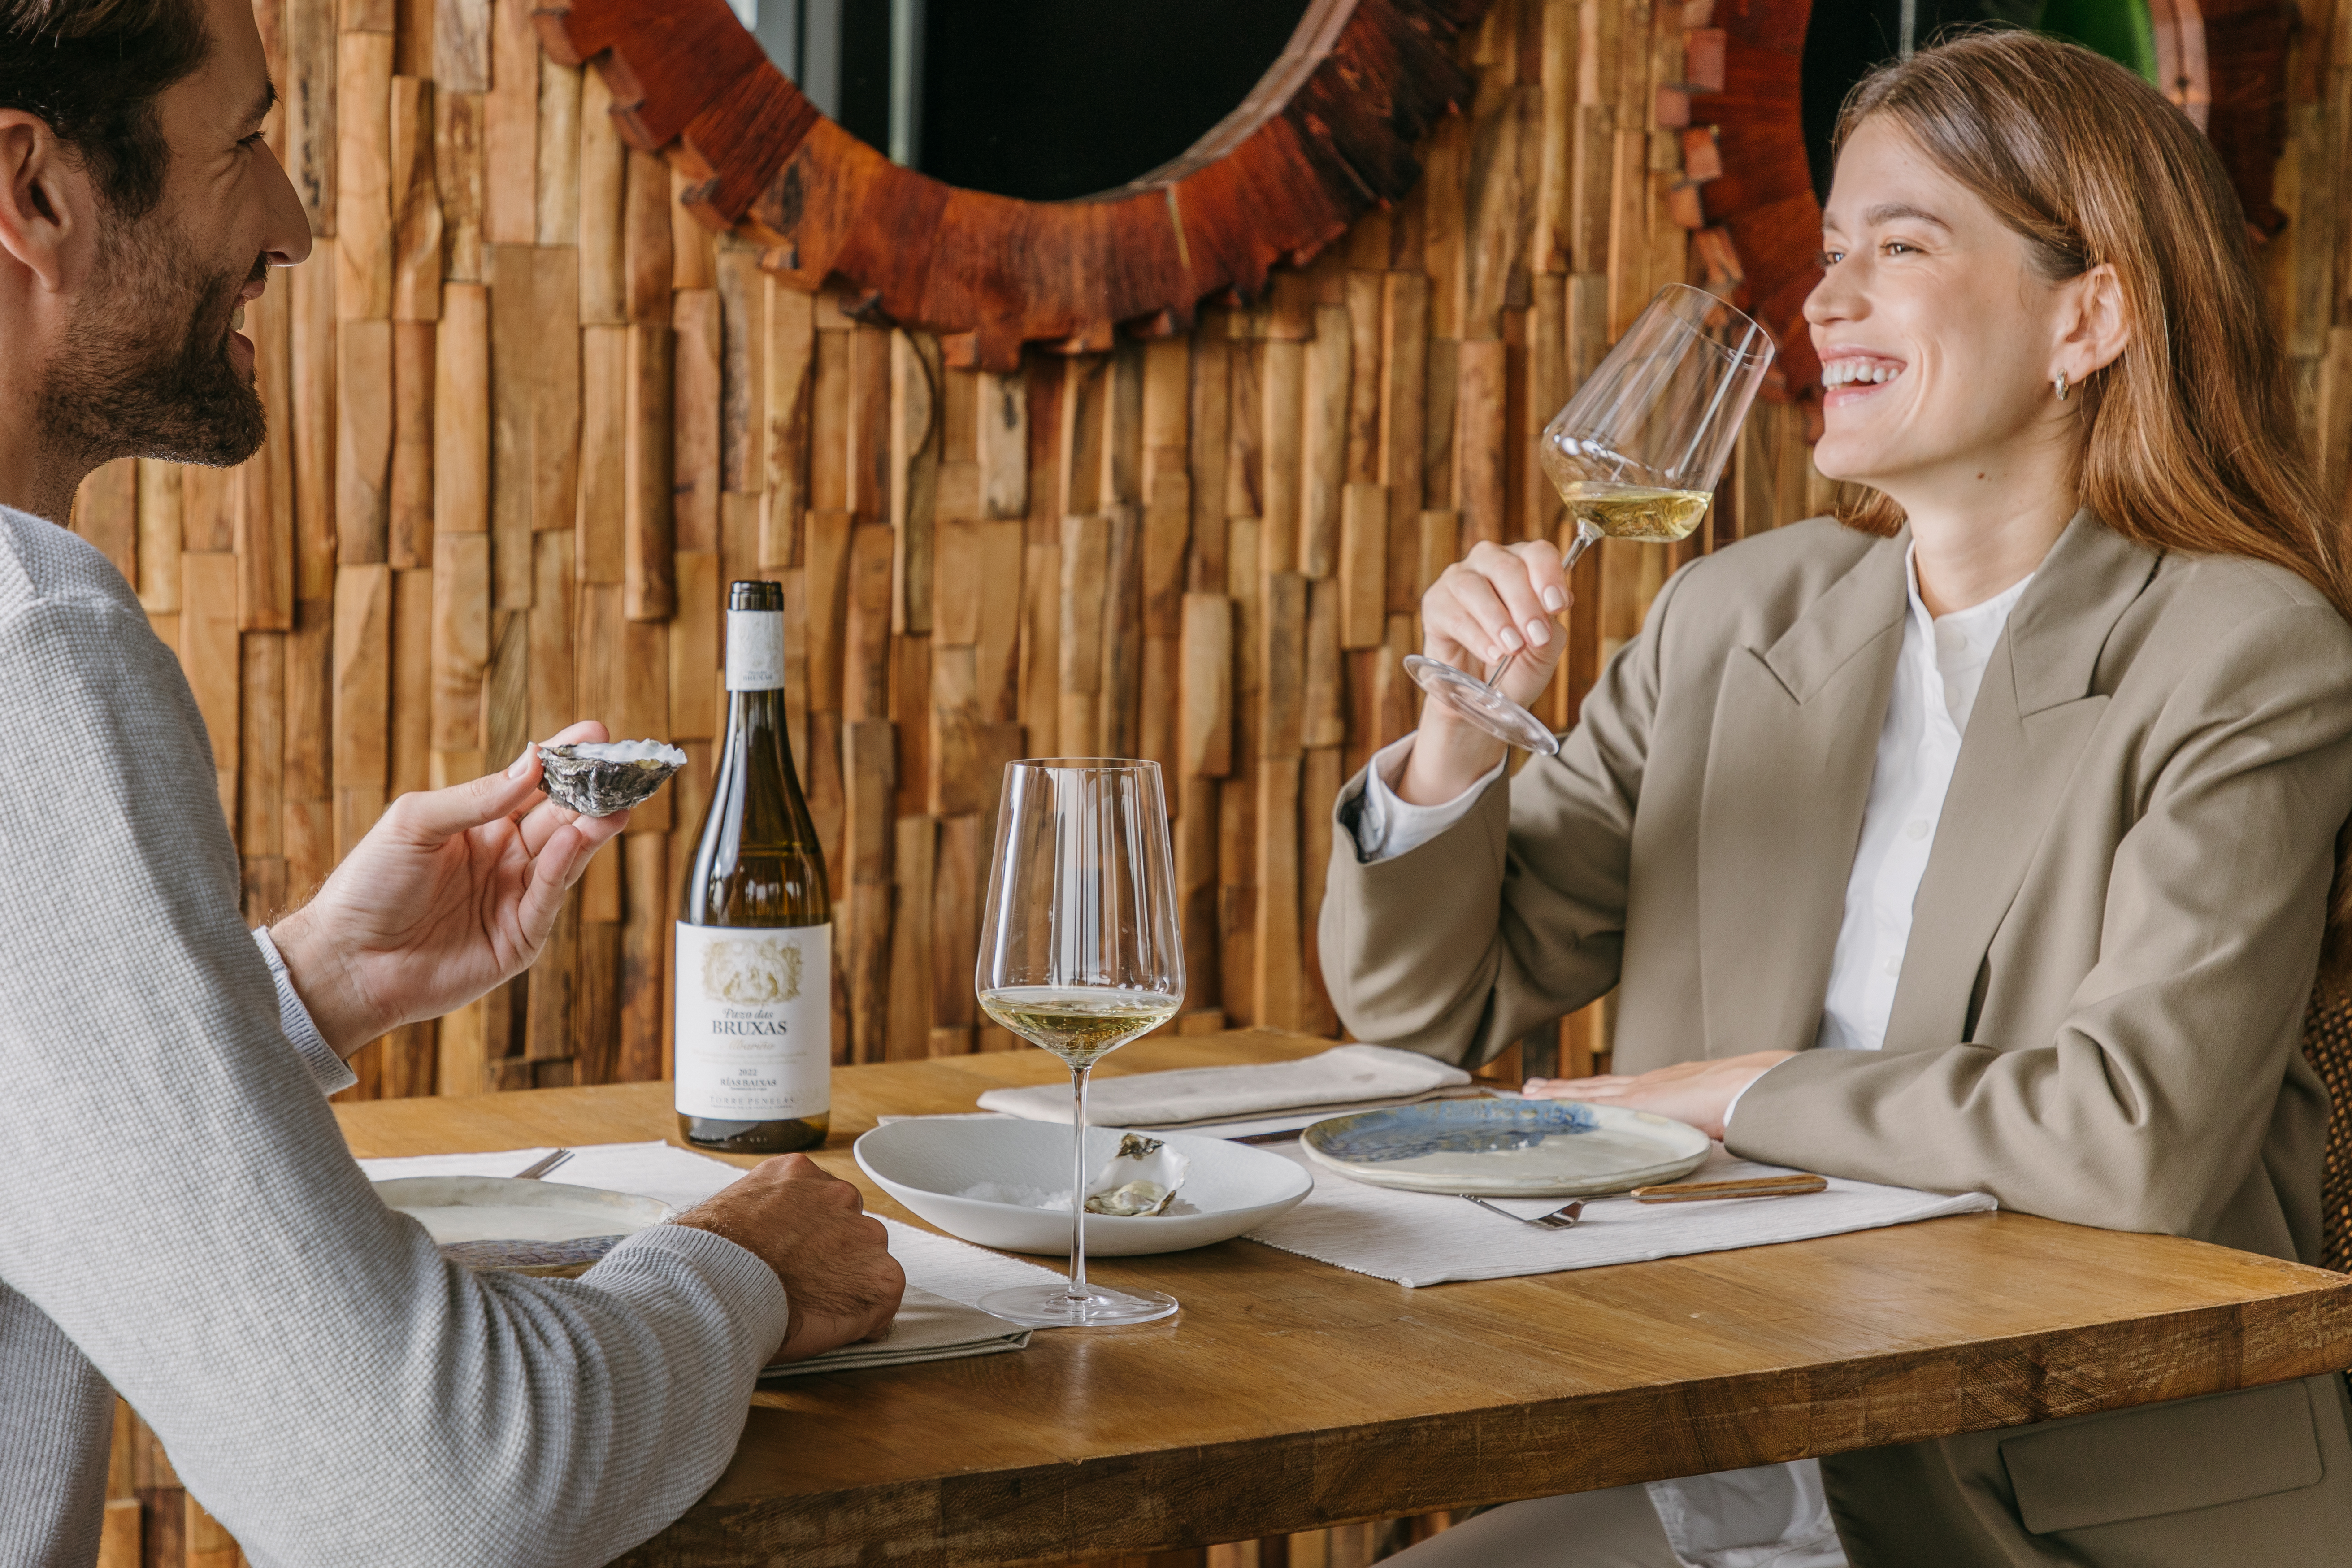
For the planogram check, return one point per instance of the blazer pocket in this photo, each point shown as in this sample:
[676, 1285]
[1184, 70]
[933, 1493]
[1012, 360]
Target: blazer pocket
[2164, 1458]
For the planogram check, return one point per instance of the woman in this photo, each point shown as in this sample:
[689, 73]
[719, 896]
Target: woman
[2064, 961]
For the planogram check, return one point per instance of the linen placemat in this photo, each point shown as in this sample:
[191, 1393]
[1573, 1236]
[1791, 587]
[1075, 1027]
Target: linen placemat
[937, 1321]
[1344, 1078]
[1427, 1239]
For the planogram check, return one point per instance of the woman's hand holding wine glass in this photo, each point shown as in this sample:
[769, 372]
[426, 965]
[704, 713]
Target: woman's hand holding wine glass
[1635, 454]
[1498, 603]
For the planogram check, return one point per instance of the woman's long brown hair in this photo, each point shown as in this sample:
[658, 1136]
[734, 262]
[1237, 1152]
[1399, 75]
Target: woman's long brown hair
[2189, 438]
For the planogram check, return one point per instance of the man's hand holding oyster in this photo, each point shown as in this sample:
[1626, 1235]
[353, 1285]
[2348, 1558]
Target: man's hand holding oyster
[452, 892]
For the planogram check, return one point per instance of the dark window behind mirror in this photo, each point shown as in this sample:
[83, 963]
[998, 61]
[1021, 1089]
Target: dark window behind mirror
[865, 109]
[1846, 40]
[1045, 100]
[1054, 98]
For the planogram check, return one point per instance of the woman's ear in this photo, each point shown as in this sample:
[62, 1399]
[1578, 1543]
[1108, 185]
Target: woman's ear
[46, 202]
[2097, 326]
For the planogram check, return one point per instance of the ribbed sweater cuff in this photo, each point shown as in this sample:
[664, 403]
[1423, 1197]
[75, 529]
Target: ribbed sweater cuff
[294, 1021]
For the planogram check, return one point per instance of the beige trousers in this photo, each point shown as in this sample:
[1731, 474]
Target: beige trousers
[1613, 1529]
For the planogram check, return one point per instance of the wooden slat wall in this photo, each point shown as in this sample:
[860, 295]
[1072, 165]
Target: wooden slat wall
[528, 421]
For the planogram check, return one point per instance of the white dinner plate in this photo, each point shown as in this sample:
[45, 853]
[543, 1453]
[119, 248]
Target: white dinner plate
[1506, 1148]
[930, 1163]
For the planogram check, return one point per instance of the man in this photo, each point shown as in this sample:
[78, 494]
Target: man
[179, 1219]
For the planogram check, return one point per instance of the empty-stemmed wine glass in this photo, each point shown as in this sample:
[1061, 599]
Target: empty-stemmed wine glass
[1635, 454]
[1080, 953]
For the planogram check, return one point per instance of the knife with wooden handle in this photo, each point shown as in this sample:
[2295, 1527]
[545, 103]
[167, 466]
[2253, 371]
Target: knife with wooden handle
[1742, 1187]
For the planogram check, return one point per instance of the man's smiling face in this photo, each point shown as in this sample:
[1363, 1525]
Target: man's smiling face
[152, 362]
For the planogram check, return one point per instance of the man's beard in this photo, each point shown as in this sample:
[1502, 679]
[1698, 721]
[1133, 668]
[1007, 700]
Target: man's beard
[145, 370]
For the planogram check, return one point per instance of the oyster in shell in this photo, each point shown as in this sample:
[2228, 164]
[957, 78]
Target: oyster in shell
[597, 778]
[1140, 1179]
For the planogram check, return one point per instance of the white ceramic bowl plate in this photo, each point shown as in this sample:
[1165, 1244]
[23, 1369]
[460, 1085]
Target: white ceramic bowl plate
[926, 1163]
[525, 1226]
[1506, 1148]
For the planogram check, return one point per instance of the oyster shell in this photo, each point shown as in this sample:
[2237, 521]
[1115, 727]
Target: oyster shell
[1140, 1179]
[597, 778]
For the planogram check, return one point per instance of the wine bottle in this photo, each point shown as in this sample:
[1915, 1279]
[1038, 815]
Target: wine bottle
[755, 938]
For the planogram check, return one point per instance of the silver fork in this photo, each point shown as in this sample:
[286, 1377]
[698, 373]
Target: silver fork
[1558, 1219]
[539, 1168]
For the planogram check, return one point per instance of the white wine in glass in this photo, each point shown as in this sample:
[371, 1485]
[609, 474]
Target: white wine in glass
[1640, 512]
[1080, 1024]
[1080, 953]
[1635, 455]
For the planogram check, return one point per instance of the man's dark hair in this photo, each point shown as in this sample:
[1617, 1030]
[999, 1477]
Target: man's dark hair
[93, 69]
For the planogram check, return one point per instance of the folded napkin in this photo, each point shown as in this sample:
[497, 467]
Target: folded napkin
[927, 1328]
[937, 1321]
[1427, 1239]
[1345, 1079]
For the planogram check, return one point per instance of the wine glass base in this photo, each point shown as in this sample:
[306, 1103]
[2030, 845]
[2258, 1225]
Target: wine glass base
[1484, 706]
[1055, 1307]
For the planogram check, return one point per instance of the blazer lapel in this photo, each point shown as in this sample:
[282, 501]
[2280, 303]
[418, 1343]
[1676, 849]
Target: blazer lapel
[1794, 742]
[2033, 715]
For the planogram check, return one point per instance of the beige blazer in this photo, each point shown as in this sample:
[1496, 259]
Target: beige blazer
[2099, 1010]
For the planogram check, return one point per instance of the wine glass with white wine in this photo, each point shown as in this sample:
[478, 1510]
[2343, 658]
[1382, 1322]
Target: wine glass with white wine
[1080, 953]
[1635, 454]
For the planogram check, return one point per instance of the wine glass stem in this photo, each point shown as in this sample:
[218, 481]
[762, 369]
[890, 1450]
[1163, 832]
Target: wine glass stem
[1078, 1185]
[1586, 535]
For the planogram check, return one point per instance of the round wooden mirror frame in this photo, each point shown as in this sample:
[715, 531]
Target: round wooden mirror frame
[1330, 131]
[1747, 190]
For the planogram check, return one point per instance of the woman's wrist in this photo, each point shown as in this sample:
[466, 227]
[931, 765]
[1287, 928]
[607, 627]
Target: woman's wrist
[1448, 757]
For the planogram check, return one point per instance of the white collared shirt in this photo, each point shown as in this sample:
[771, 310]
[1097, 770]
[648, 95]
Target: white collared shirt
[1936, 680]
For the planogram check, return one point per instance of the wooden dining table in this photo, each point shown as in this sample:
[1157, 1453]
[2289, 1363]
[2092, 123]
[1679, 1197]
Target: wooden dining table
[1291, 1395]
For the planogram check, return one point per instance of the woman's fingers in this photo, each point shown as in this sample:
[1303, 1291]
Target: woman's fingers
[1529, 623]
[1497, 601]
[1598, 1087]
[1545, 574]
[1463, 607]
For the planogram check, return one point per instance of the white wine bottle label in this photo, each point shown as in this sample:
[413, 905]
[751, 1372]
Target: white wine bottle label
[754, 1022]
[755, 650]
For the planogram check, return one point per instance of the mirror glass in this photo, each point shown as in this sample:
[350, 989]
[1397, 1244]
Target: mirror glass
[1043, 99]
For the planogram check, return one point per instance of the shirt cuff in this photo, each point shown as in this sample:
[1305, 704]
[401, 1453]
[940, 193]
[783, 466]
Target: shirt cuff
[1732, 1109]
[1388, 825]
[331, 1070]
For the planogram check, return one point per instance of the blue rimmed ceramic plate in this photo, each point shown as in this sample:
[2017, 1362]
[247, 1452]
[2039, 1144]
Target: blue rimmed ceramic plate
[1506, 1148]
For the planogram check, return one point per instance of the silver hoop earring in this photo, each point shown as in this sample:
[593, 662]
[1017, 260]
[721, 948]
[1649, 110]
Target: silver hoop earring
[2062, 387]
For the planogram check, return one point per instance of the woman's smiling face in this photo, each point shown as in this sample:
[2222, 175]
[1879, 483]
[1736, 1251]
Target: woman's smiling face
[1937, 336]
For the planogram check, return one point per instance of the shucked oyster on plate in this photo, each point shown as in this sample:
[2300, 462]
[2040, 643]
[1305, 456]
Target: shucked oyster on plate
[597, 778]
[1141, 1178]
